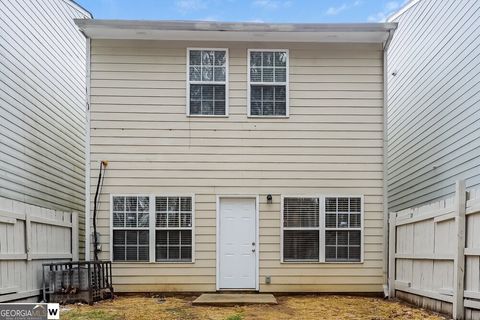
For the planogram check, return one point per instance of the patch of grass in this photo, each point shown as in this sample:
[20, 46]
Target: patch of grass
[236, 316]
[90, 315]
[289, 307]
[181, 313]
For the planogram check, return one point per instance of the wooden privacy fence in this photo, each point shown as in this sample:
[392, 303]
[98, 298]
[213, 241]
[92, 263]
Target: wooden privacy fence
[434, 254]
[30, 236]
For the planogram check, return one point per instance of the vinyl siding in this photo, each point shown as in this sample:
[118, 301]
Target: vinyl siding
[42, 104]
[433, 112]
[332, 143]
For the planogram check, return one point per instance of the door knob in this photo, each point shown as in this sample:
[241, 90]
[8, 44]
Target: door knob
[253, 243]
[253, 250]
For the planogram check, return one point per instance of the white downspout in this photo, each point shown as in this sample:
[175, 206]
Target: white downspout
[87, 158]
[385, 161]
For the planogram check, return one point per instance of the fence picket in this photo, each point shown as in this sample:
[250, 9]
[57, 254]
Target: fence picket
[459, 262]
[391, 254]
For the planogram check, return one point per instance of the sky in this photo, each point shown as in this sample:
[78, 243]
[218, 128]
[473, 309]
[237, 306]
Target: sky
[320, 11]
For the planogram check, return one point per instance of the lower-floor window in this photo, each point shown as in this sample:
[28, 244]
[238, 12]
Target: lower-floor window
[152, 228]
[301, 229]
[343, 229]
[173, 240]
[130, 228]
[322, 229]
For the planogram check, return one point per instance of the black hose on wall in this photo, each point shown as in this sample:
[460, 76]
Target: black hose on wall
[101, 177]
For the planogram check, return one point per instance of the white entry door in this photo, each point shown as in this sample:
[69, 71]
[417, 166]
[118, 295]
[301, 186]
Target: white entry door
[237, 243]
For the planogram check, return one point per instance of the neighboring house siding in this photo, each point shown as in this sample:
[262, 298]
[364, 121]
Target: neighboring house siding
[433, 108]
[331, 144]
[42, 104]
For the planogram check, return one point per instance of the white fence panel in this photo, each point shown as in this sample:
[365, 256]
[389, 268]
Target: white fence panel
[30, 236]
[434, 254]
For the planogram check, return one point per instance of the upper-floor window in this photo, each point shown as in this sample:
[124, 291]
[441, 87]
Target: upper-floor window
[268, 83]
[207, 87]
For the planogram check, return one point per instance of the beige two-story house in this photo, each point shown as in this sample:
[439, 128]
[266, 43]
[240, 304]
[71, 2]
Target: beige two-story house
[239, 156]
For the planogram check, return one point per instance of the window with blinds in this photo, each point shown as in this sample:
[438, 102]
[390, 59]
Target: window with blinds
[322, 229]
[130, 228]
[301, 229]
[207, 82]
[173, 228]
[268, 82]
[343, 229]
[152, 228]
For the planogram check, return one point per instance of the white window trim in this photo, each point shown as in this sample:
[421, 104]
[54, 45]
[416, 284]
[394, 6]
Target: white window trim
[322, 229]
[286, 84]
[226, 83]
[151, 227]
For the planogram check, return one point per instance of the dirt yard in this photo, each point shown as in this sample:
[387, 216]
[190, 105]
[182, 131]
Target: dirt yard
[289, 307]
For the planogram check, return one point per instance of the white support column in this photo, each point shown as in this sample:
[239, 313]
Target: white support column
[392, 240]
[459, 262]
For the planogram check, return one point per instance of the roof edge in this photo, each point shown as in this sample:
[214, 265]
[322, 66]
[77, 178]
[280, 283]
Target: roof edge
[180, 25]
[407, 6]
[78, 7]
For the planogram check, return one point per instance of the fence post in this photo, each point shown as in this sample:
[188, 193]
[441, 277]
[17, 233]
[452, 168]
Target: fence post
[459, 262]
[28, 235]
[392, 240]
[74, 234]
